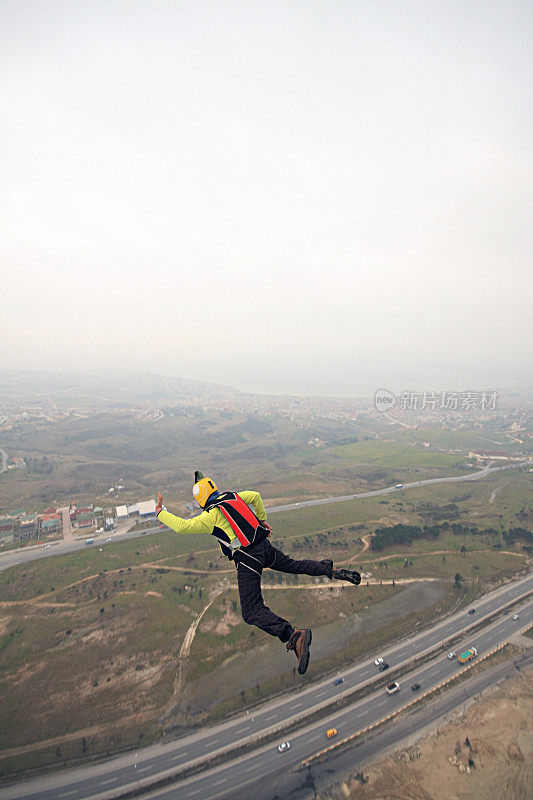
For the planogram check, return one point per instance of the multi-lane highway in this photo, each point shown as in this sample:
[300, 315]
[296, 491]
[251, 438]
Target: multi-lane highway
[133, 770]
[249, 775]
[305, 781]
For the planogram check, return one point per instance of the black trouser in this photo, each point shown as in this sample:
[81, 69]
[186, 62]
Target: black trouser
[250, 564]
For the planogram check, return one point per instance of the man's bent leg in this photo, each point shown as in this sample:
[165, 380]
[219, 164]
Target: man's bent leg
[254, 610]
[283, 563]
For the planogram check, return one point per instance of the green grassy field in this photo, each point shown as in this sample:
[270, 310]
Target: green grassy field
[396, 455]
[479, 565]
[464, 440]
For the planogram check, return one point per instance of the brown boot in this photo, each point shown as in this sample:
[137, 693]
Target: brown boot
[300, 642]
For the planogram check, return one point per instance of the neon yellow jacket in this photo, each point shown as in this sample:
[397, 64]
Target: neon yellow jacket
[213, 518]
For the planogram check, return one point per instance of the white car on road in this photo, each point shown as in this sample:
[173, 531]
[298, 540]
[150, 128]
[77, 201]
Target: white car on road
[378, 661]
[284, 746]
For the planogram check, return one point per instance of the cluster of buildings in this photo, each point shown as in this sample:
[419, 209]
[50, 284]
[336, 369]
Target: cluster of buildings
[14, 418]
[17, 463]
[484, 456]
[173, 397]
[19, 527]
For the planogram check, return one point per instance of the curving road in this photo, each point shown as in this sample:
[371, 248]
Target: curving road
[111, 778]
[475, 476]
[35, 552]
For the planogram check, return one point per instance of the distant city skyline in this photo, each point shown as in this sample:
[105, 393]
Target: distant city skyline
[304, 198]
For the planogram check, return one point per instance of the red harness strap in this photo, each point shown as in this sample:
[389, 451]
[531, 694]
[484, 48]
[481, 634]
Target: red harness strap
[243, 521]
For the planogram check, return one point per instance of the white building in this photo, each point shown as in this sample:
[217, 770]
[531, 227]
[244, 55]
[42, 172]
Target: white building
[146, 508]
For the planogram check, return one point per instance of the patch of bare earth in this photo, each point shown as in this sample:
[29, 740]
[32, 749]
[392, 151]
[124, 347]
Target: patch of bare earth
[484, 754]
[4, 623]
[222, 626]
[185, 650]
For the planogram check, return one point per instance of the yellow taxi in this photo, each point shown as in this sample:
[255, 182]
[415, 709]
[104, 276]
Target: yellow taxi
[331, 732]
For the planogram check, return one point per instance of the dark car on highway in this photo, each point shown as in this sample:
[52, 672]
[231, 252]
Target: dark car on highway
[472, 611]
[337, 681]
[383, 667]
[415, 687]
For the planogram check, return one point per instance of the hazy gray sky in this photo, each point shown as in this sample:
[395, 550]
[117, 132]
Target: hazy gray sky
[286, 196]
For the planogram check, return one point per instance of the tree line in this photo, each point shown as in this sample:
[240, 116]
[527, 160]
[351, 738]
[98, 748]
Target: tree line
[405, 534]
[513, 534]
[402, 534]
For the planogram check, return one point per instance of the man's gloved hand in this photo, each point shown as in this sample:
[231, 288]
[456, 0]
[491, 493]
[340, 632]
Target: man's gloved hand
[264, 524]
[159, 504]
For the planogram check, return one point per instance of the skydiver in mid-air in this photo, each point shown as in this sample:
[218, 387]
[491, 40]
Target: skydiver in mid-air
[238, 522]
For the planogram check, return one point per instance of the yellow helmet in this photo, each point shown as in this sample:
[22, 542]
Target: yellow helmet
[203, 488]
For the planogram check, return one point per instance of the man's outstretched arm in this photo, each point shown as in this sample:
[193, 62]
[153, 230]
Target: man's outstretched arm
[203, 523]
